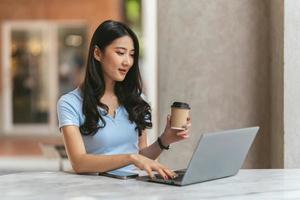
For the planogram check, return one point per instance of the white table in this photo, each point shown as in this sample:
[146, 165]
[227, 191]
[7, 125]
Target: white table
[247, 184]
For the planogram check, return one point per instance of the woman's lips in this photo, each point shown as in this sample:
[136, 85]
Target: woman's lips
[123, 71]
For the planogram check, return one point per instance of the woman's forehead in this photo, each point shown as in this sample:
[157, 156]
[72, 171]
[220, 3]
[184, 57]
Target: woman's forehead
[124, 42]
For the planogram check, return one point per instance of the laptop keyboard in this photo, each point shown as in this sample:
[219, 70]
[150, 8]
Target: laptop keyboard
[180, 174]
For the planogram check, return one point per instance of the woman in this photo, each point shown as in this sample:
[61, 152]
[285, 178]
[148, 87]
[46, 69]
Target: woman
[104, 120]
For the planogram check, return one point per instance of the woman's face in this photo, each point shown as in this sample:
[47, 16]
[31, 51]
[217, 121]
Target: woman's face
[117, 58]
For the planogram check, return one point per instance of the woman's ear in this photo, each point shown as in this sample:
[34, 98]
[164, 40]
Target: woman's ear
[97, 53]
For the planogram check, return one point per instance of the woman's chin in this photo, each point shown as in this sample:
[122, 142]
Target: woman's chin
[120, 78]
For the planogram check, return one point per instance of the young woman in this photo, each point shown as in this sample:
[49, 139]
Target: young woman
[104, 120]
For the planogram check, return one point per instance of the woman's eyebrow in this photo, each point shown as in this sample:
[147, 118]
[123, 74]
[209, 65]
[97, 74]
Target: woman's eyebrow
[123, 48]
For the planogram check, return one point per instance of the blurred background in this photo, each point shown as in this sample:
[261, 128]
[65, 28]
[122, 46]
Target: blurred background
[235, 62]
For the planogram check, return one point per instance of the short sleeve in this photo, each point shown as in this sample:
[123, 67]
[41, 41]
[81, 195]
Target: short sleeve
[67, 113]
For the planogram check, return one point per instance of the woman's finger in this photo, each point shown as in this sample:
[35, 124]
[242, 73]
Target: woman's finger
[182, 133]
[170, 173]
[185, 136]
[162, 173]
[149, 172]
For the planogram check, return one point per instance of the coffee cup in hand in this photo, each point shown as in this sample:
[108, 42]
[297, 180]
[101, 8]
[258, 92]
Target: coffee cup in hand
[179, 115]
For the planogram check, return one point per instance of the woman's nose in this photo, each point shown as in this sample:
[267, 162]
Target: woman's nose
[126, 61]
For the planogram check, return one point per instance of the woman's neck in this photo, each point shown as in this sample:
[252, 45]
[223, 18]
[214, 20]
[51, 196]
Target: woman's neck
[109, 97]
[109, 87]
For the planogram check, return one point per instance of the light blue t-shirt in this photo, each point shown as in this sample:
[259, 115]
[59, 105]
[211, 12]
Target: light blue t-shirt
[117, 137]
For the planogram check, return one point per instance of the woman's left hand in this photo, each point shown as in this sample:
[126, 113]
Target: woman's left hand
[170, 135]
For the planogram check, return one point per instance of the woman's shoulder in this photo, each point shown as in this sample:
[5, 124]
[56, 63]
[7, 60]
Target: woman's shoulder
[69, 108]
[73, 97]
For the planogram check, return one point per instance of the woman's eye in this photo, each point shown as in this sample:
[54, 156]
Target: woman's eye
[120, 53]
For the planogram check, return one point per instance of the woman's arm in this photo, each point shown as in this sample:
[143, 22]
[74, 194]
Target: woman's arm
[82, 162]
[153, 151]
[168, 137]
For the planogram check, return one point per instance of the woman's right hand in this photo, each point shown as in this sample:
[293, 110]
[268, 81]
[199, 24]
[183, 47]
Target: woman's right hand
[149, 165]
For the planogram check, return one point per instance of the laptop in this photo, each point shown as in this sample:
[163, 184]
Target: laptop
[218, 155]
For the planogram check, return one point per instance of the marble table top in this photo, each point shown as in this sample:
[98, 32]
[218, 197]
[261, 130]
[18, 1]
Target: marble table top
[247, 184]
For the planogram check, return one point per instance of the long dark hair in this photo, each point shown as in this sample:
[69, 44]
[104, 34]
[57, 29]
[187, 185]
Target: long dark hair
[128, 91]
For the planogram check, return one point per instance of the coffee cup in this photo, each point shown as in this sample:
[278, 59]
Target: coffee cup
[179, 114]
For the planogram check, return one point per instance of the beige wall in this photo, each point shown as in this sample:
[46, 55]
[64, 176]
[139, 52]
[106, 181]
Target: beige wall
[276, 33]
[216, 56]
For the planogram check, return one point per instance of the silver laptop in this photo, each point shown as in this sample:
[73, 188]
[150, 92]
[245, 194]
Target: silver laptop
[218, 155]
